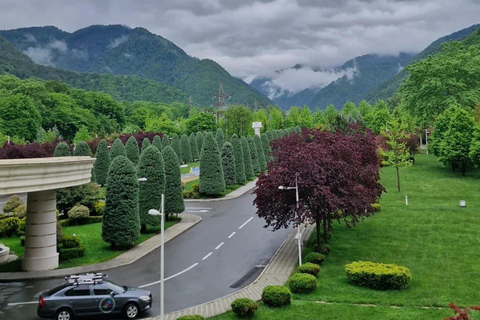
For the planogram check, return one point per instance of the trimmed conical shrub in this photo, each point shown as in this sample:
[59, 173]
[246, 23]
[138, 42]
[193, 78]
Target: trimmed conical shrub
[260, 153]
[151, 166]
[165, 140]
[239, 162]
[219, 138]
[102, 162]
[177, 147]
[266, 146]
[121, 222]
[247, 159]
[132, 151]
[118, 149]
[173, 183]
[228, 164]
[157, 142]
[211, 172]
[185, 146]
[82, 150]
[193, 146]
[145, 143]
[62, 150]
[254, 155]
[200, 137]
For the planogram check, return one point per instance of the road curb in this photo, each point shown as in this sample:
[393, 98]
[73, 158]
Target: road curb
[232, 195]
[126, 258]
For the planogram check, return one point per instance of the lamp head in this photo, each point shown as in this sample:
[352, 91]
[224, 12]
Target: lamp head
[154, 212]
[281, 187]
[142, 179]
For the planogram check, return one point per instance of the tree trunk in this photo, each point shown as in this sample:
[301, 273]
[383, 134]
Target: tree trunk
[318, 233]
[143, 229]
[398, 179]
[464, 169]
[325, 231]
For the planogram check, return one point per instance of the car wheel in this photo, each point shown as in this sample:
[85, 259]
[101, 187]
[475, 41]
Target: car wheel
[64, 314]
[131, 311]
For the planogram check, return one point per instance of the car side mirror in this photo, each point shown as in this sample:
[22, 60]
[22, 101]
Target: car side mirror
[112, 293]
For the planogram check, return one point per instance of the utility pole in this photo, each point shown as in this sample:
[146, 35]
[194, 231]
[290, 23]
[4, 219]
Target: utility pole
[220, 97]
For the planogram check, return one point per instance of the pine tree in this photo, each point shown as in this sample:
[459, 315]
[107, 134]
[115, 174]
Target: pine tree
[102, 162]
[151, 166]
[260, 153]
[219, 138]
[62, 150]
[193, 146]
[165, 140]
[185, 146]
[266, 146]
[200, 137]
[82, 150]
[239, 160]
[118, 149]
[157, 142]
[211, 172]
[177, 147]
[254, 155]
[132, 151]
[121, 222]
[228, 164]
[247, 159]
[173, 183]
[145, 143]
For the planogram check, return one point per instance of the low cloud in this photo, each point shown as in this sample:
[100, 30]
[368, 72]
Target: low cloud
[45, 55]
[117, 41]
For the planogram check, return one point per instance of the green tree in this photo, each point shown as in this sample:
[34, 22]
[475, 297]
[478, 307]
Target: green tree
[165, 140]
[201, 121]
[118, 149]
[261, 116]
[151, 166]
[82, 149]
[62, 150]
[173, 183]
[186, 151]
[145, 144]
[19, 116]
[330, 116]
[276, 119]
[177, 146]
[239, 120]
[266, 146]
[239, 159]
[200, 137]
[254, 155]
[82, 135]
[102, 162]
[193, 146]
[157, 142]
[228, 164]
[161, 124]
[212, 181]
[318, 117]
[247, 158]
[365, 109]
[121, 221]
[132, 151]
[260, 153]
[219, 138]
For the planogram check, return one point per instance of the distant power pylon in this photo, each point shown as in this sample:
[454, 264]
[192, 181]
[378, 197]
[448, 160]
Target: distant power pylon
[220, 97]
[190, 101]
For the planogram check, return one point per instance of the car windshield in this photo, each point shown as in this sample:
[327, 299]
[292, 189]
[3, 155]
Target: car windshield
[115, 287]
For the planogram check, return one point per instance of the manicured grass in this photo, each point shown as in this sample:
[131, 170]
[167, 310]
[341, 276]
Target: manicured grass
[190, 165]
[189, 186]
[91, 236]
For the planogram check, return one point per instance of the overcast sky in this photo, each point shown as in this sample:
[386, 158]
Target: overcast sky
[256, 37]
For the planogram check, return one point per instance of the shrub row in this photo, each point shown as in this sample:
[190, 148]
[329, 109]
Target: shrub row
[244, 308]
[71, 253]
[309, 268]
[302, 283]
[70, 242]
[80, 221]
[276, 296]
[378, 275]
[315, 257]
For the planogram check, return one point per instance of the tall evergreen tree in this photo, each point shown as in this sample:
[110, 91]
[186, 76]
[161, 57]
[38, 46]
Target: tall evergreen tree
[200, 137]
[239, 162]
[102, 162]
[193, 146]
[121, 222]
[173, 183]
[219, 138]
[165, 140]
[228, 164]
[260, 153]
[145, 143]
[266, 146]
[132, 151]
[82, 149]
[157, 142]
[211, 172]
[62, 150]
[177, 147]
[247, 158]
[150, 196]
[254, 155]
[118, 149]
[186, 152]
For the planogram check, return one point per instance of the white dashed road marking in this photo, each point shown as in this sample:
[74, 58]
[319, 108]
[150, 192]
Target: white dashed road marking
[20, 303]
[218, 247]
[208, 255]
[243, 225]
[233, 233]
[171, 277]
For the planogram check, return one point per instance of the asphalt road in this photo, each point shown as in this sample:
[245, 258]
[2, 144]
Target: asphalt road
[220, 255]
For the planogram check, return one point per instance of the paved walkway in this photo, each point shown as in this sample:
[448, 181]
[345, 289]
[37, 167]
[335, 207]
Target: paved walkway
[130, 256]
[232, 195]
[276, 273]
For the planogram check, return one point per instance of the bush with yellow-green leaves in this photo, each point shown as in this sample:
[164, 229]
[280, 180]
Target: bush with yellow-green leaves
[379, 276]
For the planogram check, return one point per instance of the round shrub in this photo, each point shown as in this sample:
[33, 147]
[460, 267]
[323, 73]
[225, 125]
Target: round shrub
[20, 211]
[310, 268]
[302, 283]
[12, 204]
[244, 307]
[78, 212]
[276, 296]
[376, 206]
[9, 226]
[98, 207]
[192, 317]
[21, 226]
[379, 276]
[315, 257]
[325, 249]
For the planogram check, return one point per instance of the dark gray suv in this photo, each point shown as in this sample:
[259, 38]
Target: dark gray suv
[91, 294]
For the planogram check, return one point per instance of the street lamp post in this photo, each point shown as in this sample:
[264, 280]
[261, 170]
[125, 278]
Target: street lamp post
[299, 235]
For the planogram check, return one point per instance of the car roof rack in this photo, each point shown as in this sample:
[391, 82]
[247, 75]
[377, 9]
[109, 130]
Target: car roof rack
[88, 278]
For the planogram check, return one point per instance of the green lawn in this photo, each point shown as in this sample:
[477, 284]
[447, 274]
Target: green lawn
[189, 185]
[190, 165]
[91, 236]
[433, 237]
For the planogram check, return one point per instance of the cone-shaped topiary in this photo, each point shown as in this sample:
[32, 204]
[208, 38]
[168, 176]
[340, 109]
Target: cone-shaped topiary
[165, 140]
[247, 158]
[173, 183]
[62, 150]
[228, 164]
[151, 166]
[82, 149]
[102, 162]
[118, 149]
[186, 152]
[132, 151]
[266, 146]
[121, 222]
[177, 147]
[239, 162]
[260, 153]
[200, 137]
[193, 146]
[211, 172]
[157, 142]
[254, 155]
[219, 138]
[145, 143]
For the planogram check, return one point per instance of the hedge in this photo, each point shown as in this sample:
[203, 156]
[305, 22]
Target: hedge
[80, 221]
[310, 268]
[302, 283]
[276, 296]
[71, 253]
[315, 257]
[244, 307]
[70, 242]
[379, 276]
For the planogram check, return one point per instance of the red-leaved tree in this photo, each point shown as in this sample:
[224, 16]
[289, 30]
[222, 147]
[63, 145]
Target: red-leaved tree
[338, 179]
[461, 313]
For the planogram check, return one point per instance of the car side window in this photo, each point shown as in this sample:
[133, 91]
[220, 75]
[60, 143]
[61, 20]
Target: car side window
[69, 293]
[81, 291]
[101, 290]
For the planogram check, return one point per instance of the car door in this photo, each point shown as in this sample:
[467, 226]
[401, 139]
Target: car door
[81, 299]
[104, 302]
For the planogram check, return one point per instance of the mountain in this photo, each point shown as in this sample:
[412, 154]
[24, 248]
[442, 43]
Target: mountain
[387, 88]
[126, 88]
[121, 50]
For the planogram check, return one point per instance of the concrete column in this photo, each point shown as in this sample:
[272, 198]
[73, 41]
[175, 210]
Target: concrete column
[256, 127]
[41, 232]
